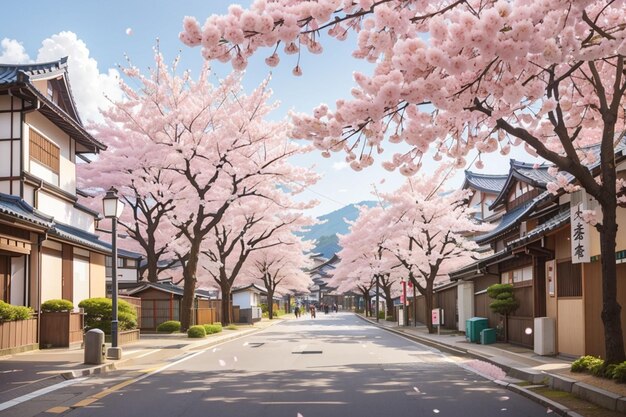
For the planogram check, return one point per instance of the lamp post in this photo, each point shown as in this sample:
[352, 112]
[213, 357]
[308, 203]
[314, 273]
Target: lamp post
[404, 311]
[112, 208]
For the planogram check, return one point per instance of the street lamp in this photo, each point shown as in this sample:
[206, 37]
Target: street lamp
[404, 310]
[112, 208]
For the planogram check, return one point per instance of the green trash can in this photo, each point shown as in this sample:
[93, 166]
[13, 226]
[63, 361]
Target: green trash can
[487, 336]
[473, 327]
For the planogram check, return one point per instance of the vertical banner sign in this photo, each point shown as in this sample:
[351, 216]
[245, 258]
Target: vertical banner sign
[550, 276]
[579, 235]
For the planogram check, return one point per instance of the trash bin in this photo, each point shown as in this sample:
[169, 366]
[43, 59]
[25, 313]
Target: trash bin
[487, 336]
[94, 347]
[473, 327]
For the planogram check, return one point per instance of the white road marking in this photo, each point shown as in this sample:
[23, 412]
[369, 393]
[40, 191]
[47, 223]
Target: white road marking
[38, 393]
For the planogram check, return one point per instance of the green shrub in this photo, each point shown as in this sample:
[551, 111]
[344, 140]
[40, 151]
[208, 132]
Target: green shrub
[98, 313]
[597, 369]
[170, 326]
[9, 312]
[231, 327]
[22, 313]
[6, 312]
[585, 363]
[196, 332]
[212, 328]
[263, 307]
[381, 314]
[619, 372]
[51, 306]
[390, 318]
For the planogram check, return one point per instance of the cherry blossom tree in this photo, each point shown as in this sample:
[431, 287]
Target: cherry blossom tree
[429, 227]
[147, 196]
[205, 146]
[254, 224]
[363, 250]
[460, 75]
[282, 267]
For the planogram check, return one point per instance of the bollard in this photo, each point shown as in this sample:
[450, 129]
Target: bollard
[94, 347]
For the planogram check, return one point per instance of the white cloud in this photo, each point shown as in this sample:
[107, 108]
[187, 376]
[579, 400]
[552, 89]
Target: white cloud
[89, 86]
[338, 166]
[13, 52]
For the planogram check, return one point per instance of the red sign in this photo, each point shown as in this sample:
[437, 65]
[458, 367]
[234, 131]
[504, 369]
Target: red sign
[437, 316]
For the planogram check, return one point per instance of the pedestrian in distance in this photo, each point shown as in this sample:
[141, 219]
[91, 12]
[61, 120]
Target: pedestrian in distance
[325, 308]
[296, 311]
[312, 311]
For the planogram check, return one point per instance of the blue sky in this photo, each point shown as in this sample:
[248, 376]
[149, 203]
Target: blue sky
[102, 27]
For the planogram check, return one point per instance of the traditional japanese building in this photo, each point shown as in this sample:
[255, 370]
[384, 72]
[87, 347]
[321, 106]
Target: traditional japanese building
[552, 277]
[48, 246]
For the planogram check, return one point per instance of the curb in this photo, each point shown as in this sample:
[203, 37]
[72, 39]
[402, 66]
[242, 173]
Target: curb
[597, 396]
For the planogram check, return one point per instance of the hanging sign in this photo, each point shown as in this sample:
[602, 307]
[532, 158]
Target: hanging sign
[579, 235]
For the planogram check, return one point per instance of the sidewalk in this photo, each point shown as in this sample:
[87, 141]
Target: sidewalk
[24, 373]
[521, 364]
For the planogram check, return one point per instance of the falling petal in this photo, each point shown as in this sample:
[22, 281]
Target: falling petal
[245, 344]
[299, 415]
[215, 350]
[416, 389]
[503, 409]
[235, 359]
[549, 411]
[503, 398]
[129, 31]
[436, 411]
[222, 363]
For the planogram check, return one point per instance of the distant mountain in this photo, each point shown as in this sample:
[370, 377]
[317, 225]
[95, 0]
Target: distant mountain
[334, 223]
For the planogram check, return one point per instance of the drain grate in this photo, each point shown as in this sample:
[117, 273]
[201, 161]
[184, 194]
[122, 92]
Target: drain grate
[308, 352]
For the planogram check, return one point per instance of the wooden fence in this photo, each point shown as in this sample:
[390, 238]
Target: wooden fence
[61, 329]
[20, 334]
[136, 303]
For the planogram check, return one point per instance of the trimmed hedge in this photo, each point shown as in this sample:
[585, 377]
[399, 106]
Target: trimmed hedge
[99, 311]
[170, 326]
[57, 305]
[231, 327]
[213, 328]
[10, 312]
[196, 332]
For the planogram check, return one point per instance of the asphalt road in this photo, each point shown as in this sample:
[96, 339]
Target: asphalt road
[334, 365]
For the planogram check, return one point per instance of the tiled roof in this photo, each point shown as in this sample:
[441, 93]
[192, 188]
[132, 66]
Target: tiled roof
[474, 269]
[128, 254]
[248, 287]
[484, 182]
[12, 73]
[509, 219]
[165, 287]
[555, 222]
[533, 172]
[82, 237]
[15, 206]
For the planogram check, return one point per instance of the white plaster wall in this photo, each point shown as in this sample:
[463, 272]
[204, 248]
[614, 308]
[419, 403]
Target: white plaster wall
[5, 125]
[81, 280]
[125, 275]
[18, 280]
[51, 281]
[65, 212]
[242, 299]
[67, 178]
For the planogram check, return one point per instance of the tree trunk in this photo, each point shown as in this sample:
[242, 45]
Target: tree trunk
[388, 300]
[428, 305]
[151, 267]
[226, 304]
[189, 289]
[611, 310]
[368, 305]
[270, 304]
